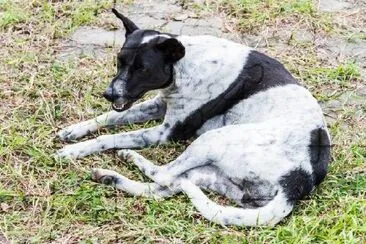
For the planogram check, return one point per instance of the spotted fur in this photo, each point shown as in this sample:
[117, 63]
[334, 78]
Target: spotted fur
[261, 137]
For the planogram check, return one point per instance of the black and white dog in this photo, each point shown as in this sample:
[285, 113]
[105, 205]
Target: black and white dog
[262, 139]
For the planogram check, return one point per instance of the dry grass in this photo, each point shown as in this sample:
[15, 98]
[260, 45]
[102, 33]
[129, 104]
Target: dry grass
[43, 199]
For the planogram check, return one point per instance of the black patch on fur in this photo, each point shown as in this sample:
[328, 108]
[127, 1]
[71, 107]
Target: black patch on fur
[296, 184]
[166, 125]
[319, 150]
[259, 74]
[256, 192]
[226, 221]
[108, 180]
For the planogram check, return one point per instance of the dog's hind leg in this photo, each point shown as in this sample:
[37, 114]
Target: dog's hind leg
[110, 177]
[145, 166]
[162, 175]
[208, 177]
[166, 174]
[148, 110]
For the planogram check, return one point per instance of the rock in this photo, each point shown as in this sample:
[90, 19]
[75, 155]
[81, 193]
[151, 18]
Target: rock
[181, 17]
[361, 91]
[98, 36]
[166, 16]
[333, 5]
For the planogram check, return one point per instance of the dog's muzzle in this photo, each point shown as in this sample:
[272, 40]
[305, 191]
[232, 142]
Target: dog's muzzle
[122, 105]
[119, 103]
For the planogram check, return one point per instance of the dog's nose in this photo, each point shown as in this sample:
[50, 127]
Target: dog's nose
[108, 94]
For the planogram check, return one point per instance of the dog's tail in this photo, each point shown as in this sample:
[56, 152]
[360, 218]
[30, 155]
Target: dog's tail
[268, 215]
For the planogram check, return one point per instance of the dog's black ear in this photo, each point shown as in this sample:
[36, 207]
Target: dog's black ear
[127, 23]
[172, 49]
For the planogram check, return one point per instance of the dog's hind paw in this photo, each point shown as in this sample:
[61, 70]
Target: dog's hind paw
[104, 176]
[128, 155]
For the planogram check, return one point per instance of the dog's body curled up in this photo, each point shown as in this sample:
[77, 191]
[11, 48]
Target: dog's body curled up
[262, 140]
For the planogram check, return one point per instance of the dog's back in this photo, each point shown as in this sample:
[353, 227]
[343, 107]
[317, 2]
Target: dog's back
[220, 82]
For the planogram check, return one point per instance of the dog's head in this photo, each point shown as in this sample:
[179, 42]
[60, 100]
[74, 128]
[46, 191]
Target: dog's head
[144, 63]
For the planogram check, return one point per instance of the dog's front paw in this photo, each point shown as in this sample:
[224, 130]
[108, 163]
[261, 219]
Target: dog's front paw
[79, 150]
[76, 131]
[69, 152]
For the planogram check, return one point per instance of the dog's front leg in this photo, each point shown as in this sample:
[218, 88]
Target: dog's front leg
[134, 139]
[148, 110]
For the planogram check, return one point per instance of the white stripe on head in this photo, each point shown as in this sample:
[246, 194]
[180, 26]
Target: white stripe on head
[146, 39]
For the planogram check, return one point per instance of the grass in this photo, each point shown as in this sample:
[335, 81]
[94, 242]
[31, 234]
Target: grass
[43, 199]
[252, 15]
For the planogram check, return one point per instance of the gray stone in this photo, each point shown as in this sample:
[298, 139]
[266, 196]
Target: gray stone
[304, 36]
[340, 50]
[145, 21]
[71, 50]
[174, 27]
[332, 5]
[361, 91]
[90, 42]
[166, 16]
[332, 104]
[98, 36]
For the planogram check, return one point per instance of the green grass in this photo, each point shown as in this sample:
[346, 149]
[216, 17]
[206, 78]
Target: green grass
[43, 199]
[57, 19]
[328, 82]
[253, 15]
[11, 16]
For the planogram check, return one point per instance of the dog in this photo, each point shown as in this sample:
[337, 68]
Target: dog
[261, 138]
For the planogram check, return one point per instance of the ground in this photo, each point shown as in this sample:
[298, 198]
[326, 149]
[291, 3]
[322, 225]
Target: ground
[58, 56]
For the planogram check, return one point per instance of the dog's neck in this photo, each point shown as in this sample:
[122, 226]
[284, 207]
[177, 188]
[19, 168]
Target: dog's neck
[208, 68]
[208, 61]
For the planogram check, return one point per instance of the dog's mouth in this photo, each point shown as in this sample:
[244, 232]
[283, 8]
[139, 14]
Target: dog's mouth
[122, 106]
